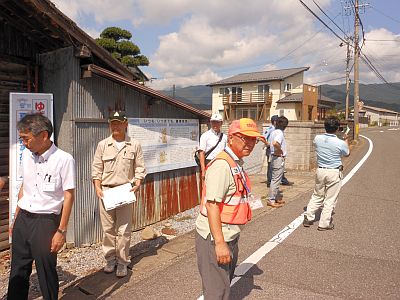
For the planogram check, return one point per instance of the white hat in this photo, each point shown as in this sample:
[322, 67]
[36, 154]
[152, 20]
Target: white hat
[216, 117]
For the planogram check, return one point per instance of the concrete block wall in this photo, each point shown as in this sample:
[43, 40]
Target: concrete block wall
[299, 138]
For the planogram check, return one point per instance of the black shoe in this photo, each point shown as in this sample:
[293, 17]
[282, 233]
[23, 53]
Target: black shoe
[287, 183]
[268, 184]
[330, 227]
[307, 223]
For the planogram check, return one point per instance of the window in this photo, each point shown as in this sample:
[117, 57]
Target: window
[224, 91]
[310, 109]
[237, 93]
[263, 91]
[281, 112]
[263, 88]
[288, 87]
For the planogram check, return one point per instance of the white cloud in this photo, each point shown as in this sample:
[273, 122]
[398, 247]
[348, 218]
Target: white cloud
[216, 39]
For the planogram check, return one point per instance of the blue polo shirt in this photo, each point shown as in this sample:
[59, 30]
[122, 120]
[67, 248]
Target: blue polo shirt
[329, 150]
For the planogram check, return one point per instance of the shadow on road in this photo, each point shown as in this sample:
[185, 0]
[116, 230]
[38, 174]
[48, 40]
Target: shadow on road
[245, 285]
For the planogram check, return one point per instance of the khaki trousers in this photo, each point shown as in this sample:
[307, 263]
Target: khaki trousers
[117, 228]
[328, 183]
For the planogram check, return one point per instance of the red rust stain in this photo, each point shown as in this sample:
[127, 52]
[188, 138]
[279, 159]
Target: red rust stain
[149, 201]
[188, 195]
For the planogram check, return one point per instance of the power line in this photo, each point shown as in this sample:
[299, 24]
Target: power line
[330, 19]
[326, 25]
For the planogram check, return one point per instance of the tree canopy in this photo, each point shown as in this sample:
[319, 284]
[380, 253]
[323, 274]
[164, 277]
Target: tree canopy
[117, 41]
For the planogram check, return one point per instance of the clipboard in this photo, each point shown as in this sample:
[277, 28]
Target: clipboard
[118, 196]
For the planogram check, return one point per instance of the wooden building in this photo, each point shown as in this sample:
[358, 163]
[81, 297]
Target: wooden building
[42, 50]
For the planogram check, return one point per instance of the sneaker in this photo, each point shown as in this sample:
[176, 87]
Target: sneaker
[109, 267]
[122, 270]
[330, 227]
[306, 222]
[274, 204]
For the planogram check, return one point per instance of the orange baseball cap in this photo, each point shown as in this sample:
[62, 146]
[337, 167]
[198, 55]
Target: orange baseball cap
[246, 127]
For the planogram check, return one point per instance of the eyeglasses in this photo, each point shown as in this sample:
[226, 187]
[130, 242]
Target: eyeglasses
[247, 139]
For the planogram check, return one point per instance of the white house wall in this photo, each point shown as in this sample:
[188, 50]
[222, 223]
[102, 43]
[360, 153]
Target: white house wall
[276, 88]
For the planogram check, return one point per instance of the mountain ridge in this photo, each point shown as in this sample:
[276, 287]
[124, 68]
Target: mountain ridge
[379, 95]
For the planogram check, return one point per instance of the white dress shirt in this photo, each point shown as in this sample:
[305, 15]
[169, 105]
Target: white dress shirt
[45, 178]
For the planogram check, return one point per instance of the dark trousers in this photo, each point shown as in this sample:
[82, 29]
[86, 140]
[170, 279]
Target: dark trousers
[31, 240]
[216, 278]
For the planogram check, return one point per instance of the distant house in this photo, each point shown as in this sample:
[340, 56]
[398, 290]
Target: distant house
[379, 116]
[259, 95]
[325, 104]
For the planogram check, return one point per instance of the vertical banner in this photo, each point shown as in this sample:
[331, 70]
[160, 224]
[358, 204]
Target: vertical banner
[22, 104]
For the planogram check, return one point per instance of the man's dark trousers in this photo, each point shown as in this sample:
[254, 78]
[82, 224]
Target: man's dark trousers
[31, 240]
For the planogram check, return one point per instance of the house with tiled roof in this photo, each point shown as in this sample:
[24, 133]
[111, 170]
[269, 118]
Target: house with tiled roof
[379, 116]
[259, 95]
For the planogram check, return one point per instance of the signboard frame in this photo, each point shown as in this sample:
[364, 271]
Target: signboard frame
[20, 105]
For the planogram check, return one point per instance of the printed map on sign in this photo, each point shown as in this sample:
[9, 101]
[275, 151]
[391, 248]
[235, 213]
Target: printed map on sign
[167, 144]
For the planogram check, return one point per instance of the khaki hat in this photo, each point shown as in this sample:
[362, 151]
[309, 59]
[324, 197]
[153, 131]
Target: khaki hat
[246, 127]
[117, 116]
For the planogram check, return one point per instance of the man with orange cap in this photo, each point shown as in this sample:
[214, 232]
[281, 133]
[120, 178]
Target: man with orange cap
[224, 207]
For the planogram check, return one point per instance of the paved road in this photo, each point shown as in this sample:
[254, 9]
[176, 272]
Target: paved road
[360, 258]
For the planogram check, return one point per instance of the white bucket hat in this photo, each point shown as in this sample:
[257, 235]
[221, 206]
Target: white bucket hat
[216, 117]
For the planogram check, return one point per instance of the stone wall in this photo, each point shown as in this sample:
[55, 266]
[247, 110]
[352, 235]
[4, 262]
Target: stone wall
[301, 153]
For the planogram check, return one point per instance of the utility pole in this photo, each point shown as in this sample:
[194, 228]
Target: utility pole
[173, 91]
[347, 78]
[356, 69]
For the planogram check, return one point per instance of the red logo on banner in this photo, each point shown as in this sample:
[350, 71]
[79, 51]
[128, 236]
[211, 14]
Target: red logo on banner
[39, 106]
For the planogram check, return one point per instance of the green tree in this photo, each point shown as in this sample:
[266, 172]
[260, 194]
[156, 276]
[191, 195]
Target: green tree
[117, 41]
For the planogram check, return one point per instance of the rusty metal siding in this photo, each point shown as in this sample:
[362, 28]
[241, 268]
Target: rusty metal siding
[82, 106]
[165, 194]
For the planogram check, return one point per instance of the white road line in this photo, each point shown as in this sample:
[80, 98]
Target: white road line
[253, 259]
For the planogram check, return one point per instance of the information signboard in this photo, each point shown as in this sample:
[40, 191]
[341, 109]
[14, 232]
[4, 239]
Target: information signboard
[167, 143]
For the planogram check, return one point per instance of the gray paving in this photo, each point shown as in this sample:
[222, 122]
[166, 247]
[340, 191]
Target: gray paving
[359, 259]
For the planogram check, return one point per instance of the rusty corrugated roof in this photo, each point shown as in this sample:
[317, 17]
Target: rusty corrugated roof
[260, 76]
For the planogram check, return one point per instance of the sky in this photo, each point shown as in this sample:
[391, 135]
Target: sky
[197, 42]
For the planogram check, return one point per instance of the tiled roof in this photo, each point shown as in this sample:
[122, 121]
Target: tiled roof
[260, 76]
[327, 99]
[379, 109]
[292, 98]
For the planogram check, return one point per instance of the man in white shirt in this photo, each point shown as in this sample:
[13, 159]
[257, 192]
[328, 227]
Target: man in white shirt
[278, 154]
[210, 139]
[44, 205]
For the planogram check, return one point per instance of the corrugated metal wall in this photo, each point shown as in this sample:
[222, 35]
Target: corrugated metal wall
[86, 220]
[80, 106]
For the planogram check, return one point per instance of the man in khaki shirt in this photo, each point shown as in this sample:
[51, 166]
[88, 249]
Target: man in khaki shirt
[118, 160]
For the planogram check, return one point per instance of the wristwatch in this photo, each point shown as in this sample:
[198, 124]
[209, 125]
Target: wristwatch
[61, 231]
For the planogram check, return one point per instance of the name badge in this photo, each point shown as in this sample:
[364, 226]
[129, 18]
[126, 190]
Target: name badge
[49, 186]
[255, 202]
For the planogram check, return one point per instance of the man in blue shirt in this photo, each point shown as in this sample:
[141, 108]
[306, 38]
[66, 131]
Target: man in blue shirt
[328, 179]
